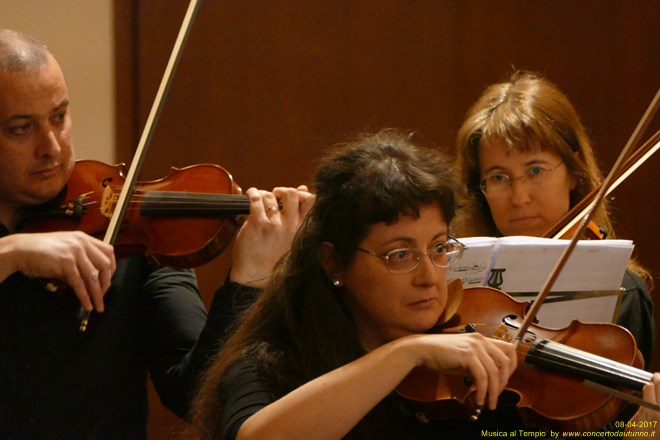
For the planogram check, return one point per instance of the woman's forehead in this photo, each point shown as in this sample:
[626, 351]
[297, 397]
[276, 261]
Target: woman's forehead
[430, 223]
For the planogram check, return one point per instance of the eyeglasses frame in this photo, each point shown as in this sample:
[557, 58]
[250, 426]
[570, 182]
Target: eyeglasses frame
[386, 257]
[483, 187]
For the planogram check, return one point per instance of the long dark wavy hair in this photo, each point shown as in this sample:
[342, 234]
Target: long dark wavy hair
[299, 328]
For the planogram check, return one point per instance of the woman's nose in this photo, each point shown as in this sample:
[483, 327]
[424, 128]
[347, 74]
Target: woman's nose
[521, 191]
[427, 272]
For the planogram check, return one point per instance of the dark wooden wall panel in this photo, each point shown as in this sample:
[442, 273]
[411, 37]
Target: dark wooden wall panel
[264, 86]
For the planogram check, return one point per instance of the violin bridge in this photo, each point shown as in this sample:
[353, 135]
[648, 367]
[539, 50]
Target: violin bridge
[108, 201]
[502, 332]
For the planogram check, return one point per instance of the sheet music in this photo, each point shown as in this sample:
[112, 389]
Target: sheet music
[474, 266]
[523, 264]
[588, 289]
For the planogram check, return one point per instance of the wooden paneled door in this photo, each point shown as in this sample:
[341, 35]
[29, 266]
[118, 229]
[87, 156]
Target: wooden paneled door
[264, 86]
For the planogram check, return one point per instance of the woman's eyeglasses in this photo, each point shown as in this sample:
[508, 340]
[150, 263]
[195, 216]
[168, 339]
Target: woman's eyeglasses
[404, 260]
[499, 184]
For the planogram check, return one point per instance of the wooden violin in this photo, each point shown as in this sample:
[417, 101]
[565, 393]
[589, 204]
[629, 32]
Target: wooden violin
[547, 386]
[182, 220]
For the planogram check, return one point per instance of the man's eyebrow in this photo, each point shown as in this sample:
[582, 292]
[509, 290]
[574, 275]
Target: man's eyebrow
[64, 103]
[20, 116]
[14, 118]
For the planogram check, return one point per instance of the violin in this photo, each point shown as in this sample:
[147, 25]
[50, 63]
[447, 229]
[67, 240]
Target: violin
[182, 220]
[592, 232]
[552, 365]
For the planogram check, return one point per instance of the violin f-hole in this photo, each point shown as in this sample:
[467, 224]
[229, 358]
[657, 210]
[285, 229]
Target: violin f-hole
[511, 321]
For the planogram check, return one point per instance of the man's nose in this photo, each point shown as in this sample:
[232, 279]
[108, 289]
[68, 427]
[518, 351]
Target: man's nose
[49, 144]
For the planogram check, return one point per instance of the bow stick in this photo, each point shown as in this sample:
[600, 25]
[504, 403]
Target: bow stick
[147, 135]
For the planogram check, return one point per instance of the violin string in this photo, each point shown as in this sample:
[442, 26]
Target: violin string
[188, 200]
[166, 193]
[181, 196]
[606, 389]
[565, 356]
[603, 362]
[570, 355]
[562, 361]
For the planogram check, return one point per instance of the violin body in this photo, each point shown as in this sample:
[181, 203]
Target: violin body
[182, 220]
[546, 387]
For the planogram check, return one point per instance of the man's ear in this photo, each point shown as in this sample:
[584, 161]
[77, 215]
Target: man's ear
[328, 258]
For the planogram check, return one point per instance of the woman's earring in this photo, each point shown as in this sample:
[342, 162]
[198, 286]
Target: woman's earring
[337, 283]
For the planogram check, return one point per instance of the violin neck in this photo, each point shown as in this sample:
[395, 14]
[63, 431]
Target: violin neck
[562, 358]
[174, 203]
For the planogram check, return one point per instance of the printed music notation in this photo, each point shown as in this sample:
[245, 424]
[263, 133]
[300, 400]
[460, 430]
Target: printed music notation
[524, 263]
[588, 289]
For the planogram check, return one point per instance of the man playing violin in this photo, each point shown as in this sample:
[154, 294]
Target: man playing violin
[527, 159]
[56, 382]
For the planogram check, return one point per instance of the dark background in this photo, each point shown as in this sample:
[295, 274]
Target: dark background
[264, 86]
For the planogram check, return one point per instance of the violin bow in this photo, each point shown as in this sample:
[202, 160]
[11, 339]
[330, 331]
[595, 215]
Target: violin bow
[621, 395]
[545, 290]
[640, 156]
[147, 135]
[602, 192]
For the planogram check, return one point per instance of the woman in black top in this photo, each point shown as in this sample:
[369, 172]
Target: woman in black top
[343, 320]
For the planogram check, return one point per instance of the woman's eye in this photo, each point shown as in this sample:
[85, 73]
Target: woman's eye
[498, 178]
[438, 248]
[400, 254]
[534, 171]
